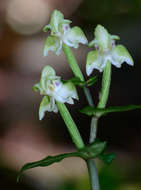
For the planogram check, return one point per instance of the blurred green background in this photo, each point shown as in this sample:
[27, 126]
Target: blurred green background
[23, 138]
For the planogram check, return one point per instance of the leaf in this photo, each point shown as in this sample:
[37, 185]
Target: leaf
[91, 151]
[107, 158]
[45, 162]
[90, 111]
[80, 83]
[91, 81]
[75, 81]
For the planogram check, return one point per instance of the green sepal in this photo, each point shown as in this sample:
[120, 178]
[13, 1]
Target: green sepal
[91, 81]
[76, 81]
[52, 43]
[46, 28]
[107, 158]
[36, 87]
[92, 111]
[91, 151]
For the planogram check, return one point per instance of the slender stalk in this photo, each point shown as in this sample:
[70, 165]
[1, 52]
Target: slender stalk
[79, 144]
[72, 128]
[77, 72]
[72, 62]
[106, 80]
[93, 174]
[93, 128]
[88, 96]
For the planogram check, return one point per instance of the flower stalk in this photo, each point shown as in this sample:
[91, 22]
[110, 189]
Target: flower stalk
[71, 126]
[72, 62]
[94, 182]
[106, 80]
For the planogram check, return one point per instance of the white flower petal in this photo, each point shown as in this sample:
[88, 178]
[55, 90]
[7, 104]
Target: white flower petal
[47, 104]
[102, 37]
[94, 61]
[70, 87]
[70, 101]
[120, 55]
[74, 37]
[66, 93]
[54, 44]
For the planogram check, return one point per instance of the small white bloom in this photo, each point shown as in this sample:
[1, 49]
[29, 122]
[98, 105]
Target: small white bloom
[53, 90]
[62, 33]
[106, 50]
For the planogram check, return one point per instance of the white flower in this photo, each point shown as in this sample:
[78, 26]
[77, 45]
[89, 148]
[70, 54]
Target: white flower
[62, 33]
[106, 50]
[53, 90]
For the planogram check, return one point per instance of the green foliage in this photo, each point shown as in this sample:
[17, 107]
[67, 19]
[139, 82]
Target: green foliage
[107, 158]
[76, 81]
[91, 151]
[91, 111]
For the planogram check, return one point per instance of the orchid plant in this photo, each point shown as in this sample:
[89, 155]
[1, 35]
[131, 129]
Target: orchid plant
[56, 92]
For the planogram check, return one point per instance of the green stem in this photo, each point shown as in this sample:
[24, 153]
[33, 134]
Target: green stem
[79, 144]
[106, 80]
[93, 174]
[72, 62]
[72, 128]
[91, 163]
[93, 131]
[77, 72]
[88, 96]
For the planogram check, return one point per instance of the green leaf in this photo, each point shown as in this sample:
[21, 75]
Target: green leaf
[91, 81]
[45, 162]
[90, 111]
[91, 151]
[107, 158]
[80, 83]
[75, 81]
